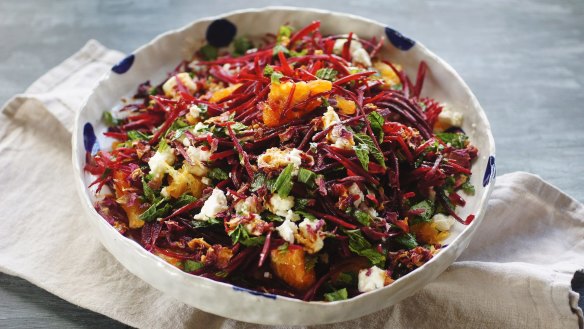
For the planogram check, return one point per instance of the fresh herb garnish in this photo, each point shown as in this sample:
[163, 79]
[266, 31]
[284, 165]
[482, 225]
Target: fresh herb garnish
[284, 184]
[340, 294]
[327, 74]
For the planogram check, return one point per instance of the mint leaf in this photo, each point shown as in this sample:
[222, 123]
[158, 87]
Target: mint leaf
[360, 246]
[238, 234]
[259, 180]
[276, 76]
[362, 152]
[209, 52]
[428, 211]
[241, 45]
[158, 209]
[340, 294]
[468, 188]
[362, 217]
[191, 265]
[456, 140]
[284, 183]
[205, 223]
[365, 139]
[149, 193]
[307, 177]
[408, 240]
[254, 241]
[327, 74]
[217, 174]
[184, 200]
[376, 122]
[109, 119]
[136, 135]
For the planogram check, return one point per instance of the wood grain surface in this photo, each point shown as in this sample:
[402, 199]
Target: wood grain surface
[522, 58]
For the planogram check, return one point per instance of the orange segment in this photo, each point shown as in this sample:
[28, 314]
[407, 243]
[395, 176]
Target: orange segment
[346, 106]
[290, 266]
[273, 111]
[223, 93]
[134, 210]
[428, 233]
[389, 77]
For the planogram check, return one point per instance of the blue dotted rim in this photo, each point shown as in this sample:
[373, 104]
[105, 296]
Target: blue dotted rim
[124, 65]
[398, 40]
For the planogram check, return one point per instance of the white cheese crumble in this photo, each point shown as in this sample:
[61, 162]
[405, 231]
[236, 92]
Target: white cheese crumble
[170, 86]
[279, 205]
[255, 225]
[195, 111]
[197, 155]
[247, 206]
[335, 136]
[358, 53]
[448, 118]
[355, 190]
[310, 235]
[443, 222]
[371, 279]
[216, 203]
[161, 161]
[287, 230]
[330, 117]
[291, 216]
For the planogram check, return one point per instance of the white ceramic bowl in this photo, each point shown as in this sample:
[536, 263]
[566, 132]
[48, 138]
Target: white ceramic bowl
[154, 60]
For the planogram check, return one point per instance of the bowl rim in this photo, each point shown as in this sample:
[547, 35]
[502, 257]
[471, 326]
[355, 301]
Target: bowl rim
[82, 190]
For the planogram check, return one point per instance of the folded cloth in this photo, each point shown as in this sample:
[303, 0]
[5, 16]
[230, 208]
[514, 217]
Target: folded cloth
[516, 272]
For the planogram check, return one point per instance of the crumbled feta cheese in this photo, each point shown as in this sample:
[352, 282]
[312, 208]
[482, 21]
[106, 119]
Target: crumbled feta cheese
[161, 161]
[361, 56]
[355, 190]
[216, 203]
[170, 86]
[358, 53]
[195, 111]
[448, 118]
[310, 235]
[443, 222]
[201, 129]
[274, 158]
[330, 117]
[279, 205]
[287, 230]
[197, 154]
[186, 142]
[247, 206]
[292, 216]
[371, 279]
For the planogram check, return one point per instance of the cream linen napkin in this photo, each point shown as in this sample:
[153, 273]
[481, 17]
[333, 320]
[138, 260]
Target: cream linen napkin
[516, 273]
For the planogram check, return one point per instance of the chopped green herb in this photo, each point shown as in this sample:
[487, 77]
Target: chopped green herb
[158, 209]
[238, 234]
[376, 122]
[305, 214]
[209, 52]
[345, 279]
[468, 188]
[259, 180]
[217, 174]
[428, 211]
[285, 31]
[307, 177]
[365, 139]
[301, 203]
[275, 77]
[205, 223]
[408, 240]
[362, 152]
[284, 183]
[272, 217]
[280, 49]
[456, 140]
[109, 119]
[184, 200]
[241, 45]
[253, 241]
[148, 192]
[268, 70]
[191, 265]
[327, 74]
[360, 246]
[136, 135]
[340, 294]
[363, 217]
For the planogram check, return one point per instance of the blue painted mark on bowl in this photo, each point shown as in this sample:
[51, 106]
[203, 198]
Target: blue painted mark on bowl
[398, 40]
[490, 172]
[220, 33]
[255, 293]
[89, 140]
[124, 65]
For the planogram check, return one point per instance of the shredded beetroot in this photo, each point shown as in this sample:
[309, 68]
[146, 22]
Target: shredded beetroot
[267, 176]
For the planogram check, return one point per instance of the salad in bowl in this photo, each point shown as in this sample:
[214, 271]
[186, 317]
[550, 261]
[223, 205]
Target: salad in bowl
[296, 164]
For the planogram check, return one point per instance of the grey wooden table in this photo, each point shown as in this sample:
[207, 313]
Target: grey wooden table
[522, 58]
